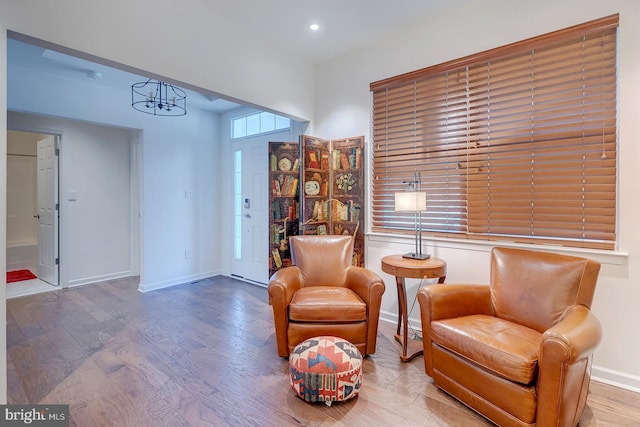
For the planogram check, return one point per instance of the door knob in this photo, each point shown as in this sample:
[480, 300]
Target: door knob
[37, 216]
[247, 215]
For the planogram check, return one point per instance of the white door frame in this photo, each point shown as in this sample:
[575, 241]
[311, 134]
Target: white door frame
[58, 135]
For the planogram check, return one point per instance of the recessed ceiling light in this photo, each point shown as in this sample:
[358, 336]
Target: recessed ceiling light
[314, 27]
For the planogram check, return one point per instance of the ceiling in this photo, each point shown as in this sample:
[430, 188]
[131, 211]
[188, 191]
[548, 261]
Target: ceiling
[345, 25]
[26, 55]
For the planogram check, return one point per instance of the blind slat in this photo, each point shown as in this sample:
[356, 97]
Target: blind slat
[518, 142]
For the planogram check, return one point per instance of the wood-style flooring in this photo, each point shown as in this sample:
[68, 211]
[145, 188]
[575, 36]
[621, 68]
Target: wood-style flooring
[204, 354]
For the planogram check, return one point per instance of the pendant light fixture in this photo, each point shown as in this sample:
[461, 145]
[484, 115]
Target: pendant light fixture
[158, 98]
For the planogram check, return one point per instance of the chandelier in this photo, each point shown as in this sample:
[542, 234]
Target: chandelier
[158, 98]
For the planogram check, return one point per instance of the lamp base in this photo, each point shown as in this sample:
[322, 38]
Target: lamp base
[413, 255]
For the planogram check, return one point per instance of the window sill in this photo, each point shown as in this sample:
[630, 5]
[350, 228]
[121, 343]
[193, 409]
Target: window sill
[614, 257]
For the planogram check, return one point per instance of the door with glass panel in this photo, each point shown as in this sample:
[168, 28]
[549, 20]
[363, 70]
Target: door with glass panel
[250, 259]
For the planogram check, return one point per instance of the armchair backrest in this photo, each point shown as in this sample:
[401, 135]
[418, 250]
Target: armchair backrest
[322, 260]
[535, 288]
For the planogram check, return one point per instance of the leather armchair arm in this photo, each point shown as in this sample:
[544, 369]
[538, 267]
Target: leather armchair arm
[444, 301]
[366, 283]
[565, 364]
[369, 287]
[282, 285]
[576, 336]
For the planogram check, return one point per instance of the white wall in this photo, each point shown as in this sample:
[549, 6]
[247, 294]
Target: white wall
[179, 175]
[22, 201]
[22, 192]
[181, 200]
[343, 108]
[95, 164]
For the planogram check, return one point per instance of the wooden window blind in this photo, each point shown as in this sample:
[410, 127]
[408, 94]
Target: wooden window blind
[517, 143]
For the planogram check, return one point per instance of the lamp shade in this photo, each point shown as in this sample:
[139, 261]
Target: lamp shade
[410, 201]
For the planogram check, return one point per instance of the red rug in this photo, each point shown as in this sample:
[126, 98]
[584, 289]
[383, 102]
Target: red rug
[19, 275]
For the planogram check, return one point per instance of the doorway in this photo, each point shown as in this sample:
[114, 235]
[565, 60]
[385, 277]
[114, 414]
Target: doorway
[32, 214]
[250, 259]
[98, 196]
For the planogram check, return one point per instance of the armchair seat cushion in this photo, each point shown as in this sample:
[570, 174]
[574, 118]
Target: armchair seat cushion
[503, 347]
[327, 304]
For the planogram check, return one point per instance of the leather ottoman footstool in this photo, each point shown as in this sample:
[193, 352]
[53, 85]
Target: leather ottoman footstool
[325, 369]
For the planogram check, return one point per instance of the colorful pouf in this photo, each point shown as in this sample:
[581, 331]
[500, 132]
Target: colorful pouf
[325, 369]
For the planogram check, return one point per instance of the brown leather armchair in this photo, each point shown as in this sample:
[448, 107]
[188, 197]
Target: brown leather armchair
[323, 294]
[519, 350]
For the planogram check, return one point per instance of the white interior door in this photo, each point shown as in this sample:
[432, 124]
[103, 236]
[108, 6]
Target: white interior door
[47, 212]
[251, 252]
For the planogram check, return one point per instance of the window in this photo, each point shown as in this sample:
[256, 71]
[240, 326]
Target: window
[258, 123]
[237, 204]
[517, 143]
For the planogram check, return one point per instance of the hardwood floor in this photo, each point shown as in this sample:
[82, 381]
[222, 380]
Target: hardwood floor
[204, 355]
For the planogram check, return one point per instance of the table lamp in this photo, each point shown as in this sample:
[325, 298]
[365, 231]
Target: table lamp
[413, 200]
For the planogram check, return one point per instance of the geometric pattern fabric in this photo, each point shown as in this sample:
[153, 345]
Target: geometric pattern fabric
[325, 369]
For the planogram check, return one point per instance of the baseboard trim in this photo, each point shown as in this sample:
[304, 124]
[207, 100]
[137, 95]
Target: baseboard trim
[253, 282]
[148, 287]
[616, 378]
[96, 279]
[389, 317]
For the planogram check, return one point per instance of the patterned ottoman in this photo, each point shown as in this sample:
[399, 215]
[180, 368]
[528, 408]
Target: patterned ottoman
[325, 369]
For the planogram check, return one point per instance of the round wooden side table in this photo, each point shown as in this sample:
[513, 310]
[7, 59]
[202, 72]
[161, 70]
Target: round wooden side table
[402, 268]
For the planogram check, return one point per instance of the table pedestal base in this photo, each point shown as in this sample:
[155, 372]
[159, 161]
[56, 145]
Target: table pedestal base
[433, 268]
[413, 348]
